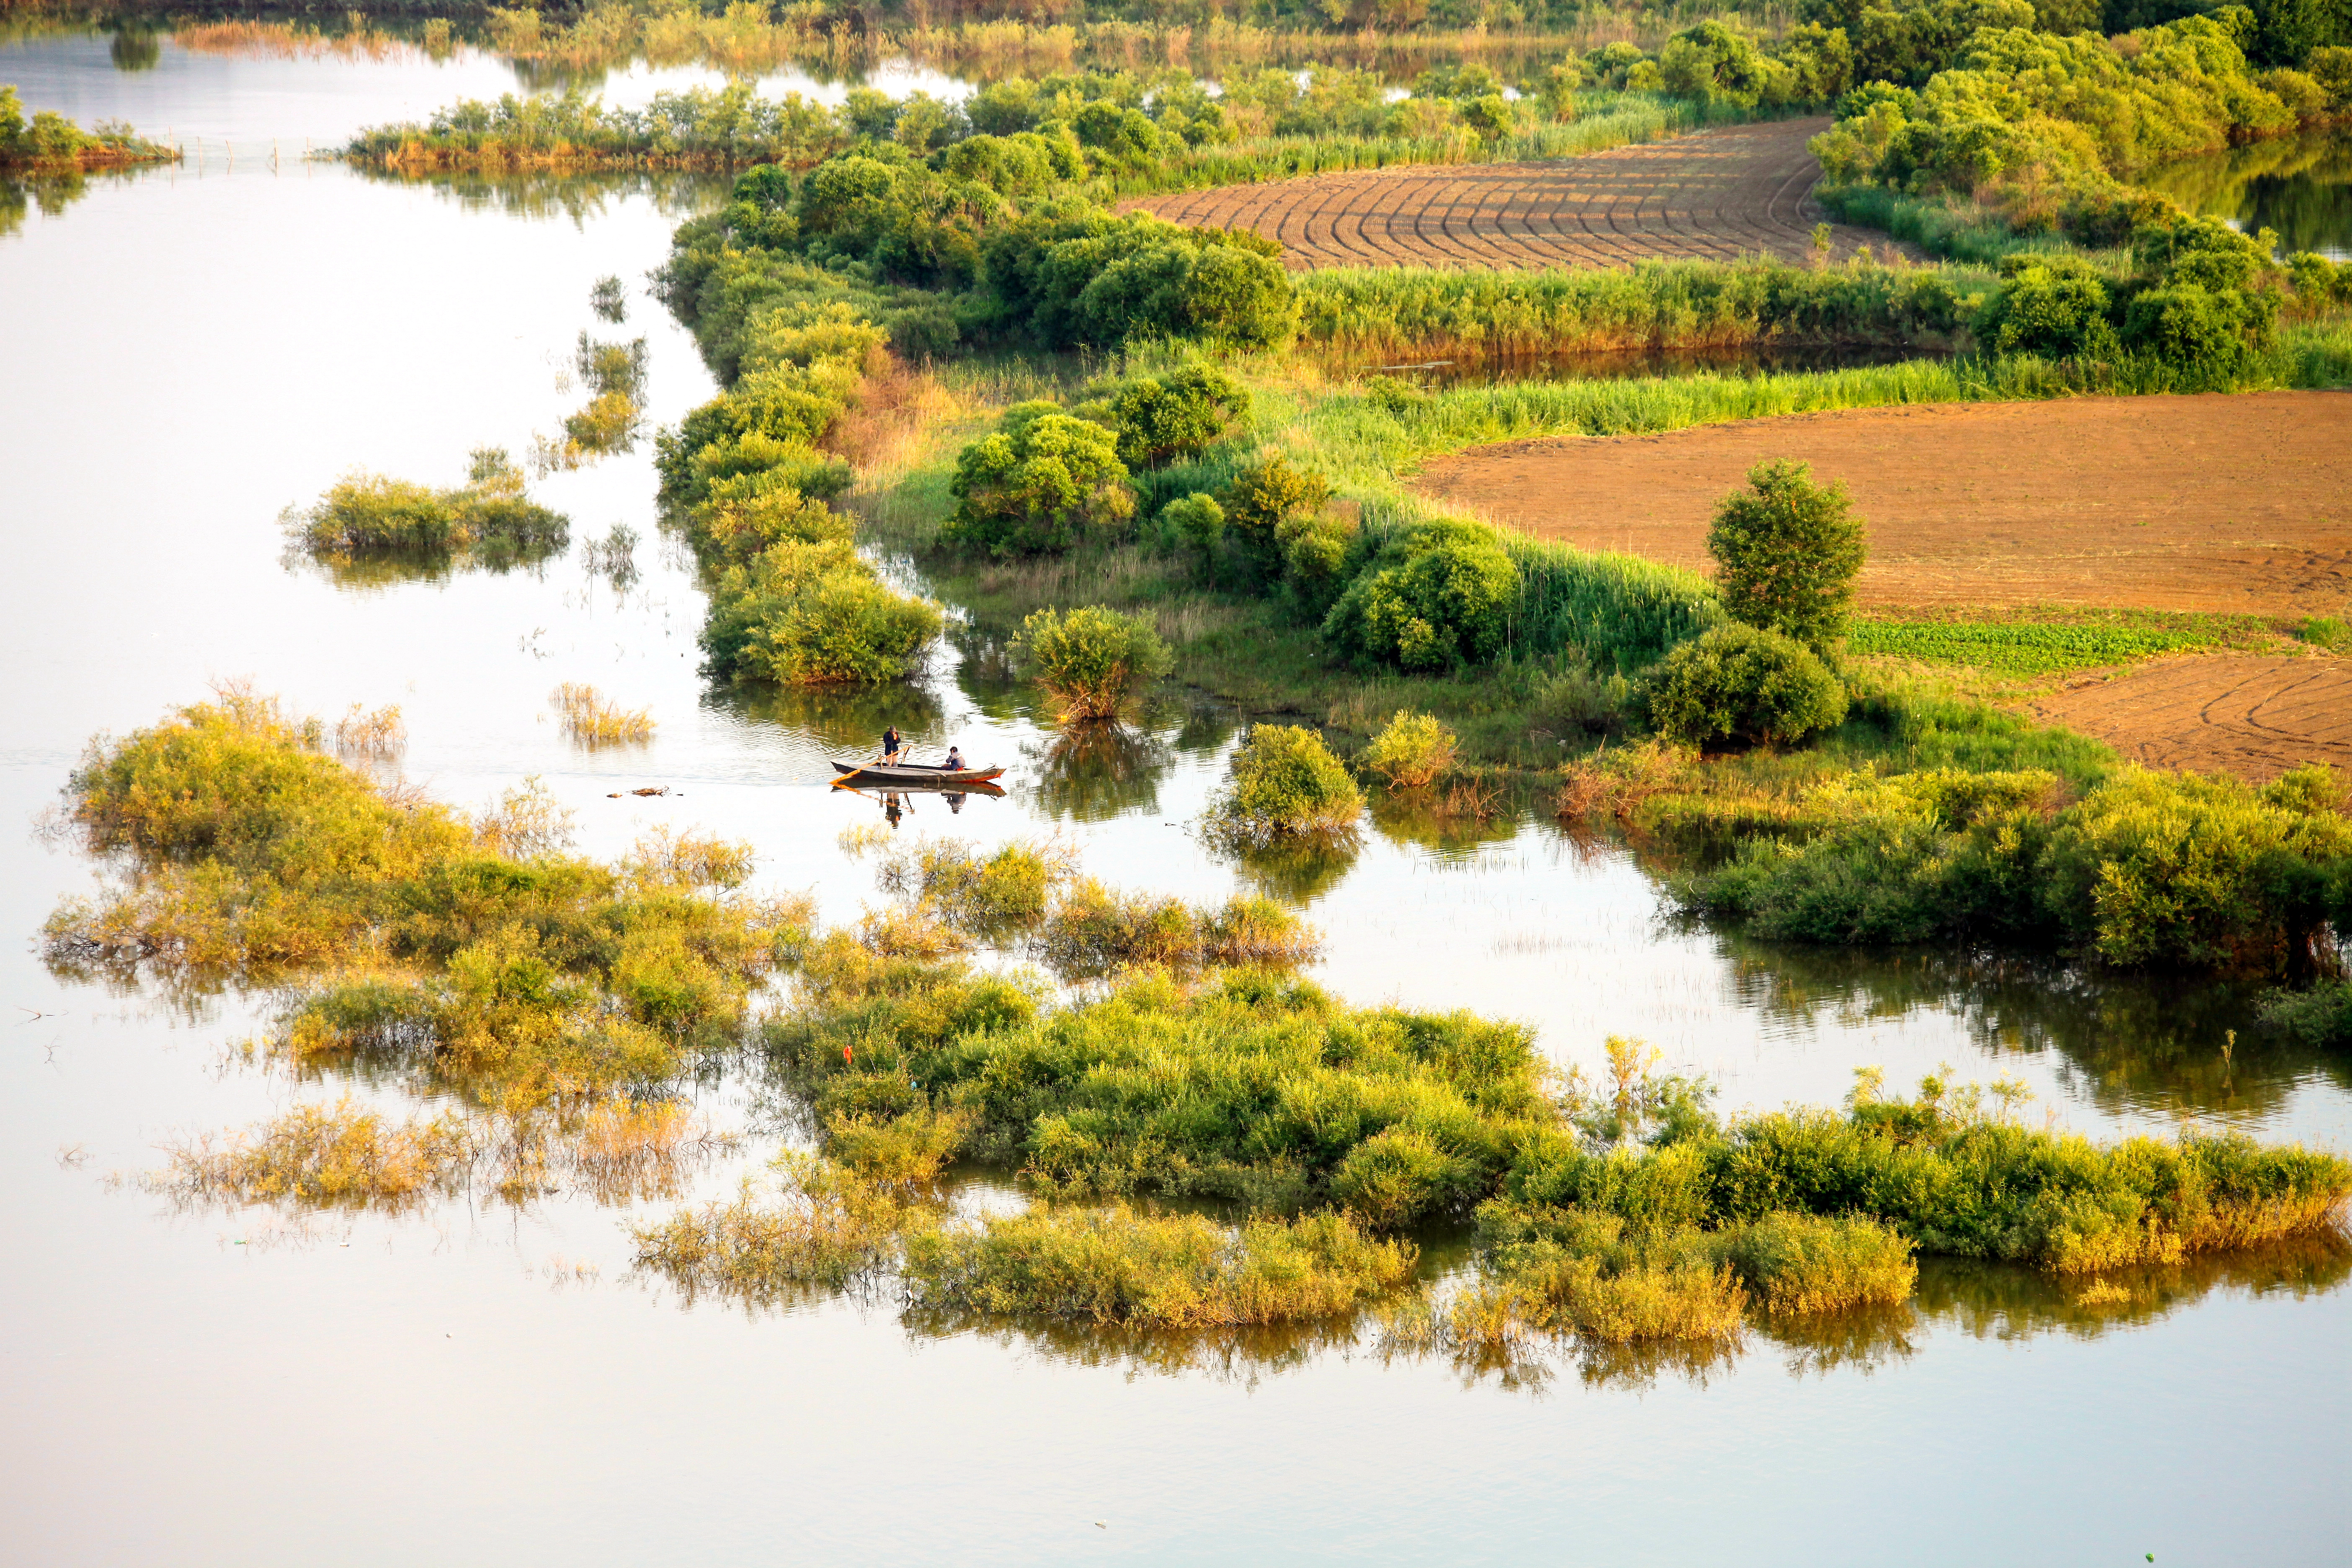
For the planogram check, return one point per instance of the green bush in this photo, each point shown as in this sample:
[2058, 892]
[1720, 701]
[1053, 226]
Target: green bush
[1285, 783]
[1044, 482]
[489, 516]
[1787, 553]
[1263, 499]
[1740, 683]
[2056, 307]
[1438, 597]
[743, 519]
[1172, 418]
[2145, 870]
[2321, 1015]
[1077, 277]
[1091, 661]
[1410, 751]
[812, 614]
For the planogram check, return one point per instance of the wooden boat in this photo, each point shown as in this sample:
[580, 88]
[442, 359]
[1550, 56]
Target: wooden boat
[913, 775]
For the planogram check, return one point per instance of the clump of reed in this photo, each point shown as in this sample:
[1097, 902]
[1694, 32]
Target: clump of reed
[593, 720]
[817, 1227]
[1410, 751]
[362, 735]
[1179, 1271]
[1095, 930]
[334, 1155]
[1616, 782]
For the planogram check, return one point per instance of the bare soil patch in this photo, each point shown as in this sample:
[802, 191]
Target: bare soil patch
[2254, 716]
[2234, 503]
[1713, 195]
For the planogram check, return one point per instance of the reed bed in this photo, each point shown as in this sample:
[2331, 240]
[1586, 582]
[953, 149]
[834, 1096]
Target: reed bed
[1117, 1266]
[370, 735]
[326, 1156]
[593, 720]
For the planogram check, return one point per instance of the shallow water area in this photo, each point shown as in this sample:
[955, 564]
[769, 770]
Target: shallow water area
[2298, 187]
[484, 1380]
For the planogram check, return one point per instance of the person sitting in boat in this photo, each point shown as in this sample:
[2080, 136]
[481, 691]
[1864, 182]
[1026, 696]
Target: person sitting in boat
[891, 744]
[955, 760]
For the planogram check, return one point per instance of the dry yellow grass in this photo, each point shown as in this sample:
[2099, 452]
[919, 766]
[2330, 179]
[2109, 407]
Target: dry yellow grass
[592, 720]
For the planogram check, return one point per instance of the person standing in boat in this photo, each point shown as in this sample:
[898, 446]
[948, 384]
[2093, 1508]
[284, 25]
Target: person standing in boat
[891, 744]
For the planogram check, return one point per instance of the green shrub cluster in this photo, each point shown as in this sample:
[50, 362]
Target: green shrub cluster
[1631, 1215]
[1436, 596]
[473, 950]
[1285, 784]
[1044, 482]
[2320, 1016]
[49, 142]
[2145, 870]
[791, 599]
[1740, 683]
[1091, 661]
[488, 518]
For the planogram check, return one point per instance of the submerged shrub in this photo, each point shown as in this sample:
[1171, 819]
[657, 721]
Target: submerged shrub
[824, 1226]
[1094, 930]
[328, 1155]
[368, 514]
[1285, 783]
[815, 614]
[1044, 482]
[1410, 751]
[1787, 553]
[2321, 1015]
[1738, 683]
[1091, 661]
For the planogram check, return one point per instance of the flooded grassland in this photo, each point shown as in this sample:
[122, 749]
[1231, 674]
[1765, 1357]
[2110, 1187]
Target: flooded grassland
[483, 1372]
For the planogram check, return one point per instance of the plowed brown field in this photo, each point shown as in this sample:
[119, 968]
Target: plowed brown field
[1718, 194]
[2242, 713]
[2239, 504]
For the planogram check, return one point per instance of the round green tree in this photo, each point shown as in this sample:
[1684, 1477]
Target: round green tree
[1738, 683]
[1787, 553]
[1044, 482]
[1091, 661]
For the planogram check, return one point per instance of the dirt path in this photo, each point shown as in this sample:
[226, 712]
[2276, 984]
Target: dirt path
[1715, 193]
[2254, 716]
[2216, 502]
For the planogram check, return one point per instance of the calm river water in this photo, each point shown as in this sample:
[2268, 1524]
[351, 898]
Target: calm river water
[189, 350]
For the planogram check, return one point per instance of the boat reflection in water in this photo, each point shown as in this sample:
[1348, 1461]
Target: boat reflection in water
[898, 799]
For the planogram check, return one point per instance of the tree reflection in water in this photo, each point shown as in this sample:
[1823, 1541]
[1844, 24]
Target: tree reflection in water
[2131, 1042]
